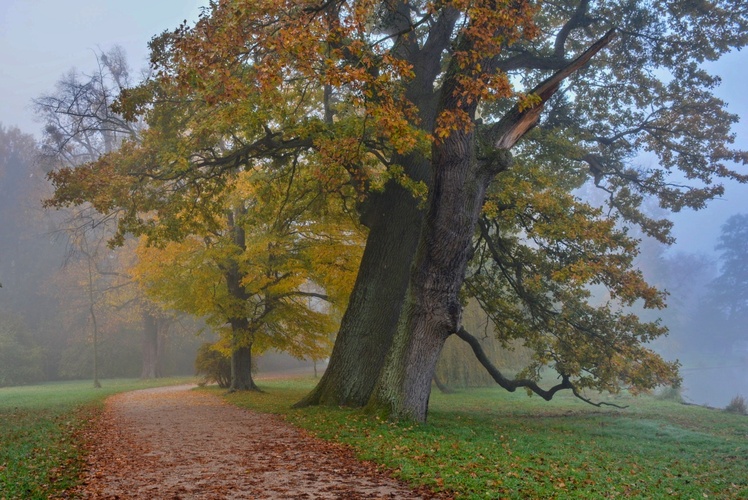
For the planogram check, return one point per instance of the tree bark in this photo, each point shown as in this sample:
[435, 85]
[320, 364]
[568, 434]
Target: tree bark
[394, 220]
[241, 370]
[369, 322]
[241, 345]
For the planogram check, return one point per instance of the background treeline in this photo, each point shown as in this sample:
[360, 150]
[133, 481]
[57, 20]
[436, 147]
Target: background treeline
[44, 321]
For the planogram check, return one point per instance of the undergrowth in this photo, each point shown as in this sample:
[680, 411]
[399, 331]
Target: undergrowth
[737, 405]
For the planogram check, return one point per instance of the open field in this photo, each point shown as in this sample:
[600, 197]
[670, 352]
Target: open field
[487, 443]
[40, 448]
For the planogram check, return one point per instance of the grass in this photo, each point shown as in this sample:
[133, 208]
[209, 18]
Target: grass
[481, 443]
[487, 443]
[40, 448]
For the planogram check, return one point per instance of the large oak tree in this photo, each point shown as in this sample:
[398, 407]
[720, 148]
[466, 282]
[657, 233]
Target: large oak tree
[462, 126]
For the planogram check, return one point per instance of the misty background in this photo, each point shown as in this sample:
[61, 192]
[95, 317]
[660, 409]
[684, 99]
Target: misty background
[43, 40]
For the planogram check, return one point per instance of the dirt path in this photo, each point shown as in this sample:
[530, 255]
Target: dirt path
[173, 443]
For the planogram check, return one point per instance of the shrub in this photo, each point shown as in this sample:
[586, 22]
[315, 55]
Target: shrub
[213, 366]
[737, 405]
[670, 393]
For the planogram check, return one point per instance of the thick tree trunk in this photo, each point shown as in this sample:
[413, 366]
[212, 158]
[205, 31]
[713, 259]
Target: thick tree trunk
[369, 322]
[151, 347]
[432, 309]
[394, 220]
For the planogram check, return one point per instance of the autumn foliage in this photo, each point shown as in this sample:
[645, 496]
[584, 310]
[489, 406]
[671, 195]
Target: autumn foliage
[466, 125]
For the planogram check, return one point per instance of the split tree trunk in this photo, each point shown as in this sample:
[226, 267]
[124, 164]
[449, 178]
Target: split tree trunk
[432, 308]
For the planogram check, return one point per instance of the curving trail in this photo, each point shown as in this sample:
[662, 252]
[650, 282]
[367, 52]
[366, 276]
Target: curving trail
[174, 443]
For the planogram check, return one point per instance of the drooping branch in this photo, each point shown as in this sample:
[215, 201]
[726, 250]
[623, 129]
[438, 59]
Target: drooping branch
[440, 385]
[512, 385]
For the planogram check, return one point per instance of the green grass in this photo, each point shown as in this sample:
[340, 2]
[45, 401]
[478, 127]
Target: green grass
[487, 443]
[483, 443]
[40, 445]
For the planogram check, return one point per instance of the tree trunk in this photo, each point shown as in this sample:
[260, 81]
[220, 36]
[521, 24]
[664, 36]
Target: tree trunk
[369, 322]
[394, 220]
[151, 347]
[241, 343]
[241, 370]
[432, 309]
[92, 313]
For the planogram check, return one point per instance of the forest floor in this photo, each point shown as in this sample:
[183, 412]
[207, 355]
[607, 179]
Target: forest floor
[175, 443]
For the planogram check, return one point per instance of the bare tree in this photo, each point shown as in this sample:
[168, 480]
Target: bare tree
[81, 125]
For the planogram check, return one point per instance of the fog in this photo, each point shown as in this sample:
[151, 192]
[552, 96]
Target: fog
[41, 296]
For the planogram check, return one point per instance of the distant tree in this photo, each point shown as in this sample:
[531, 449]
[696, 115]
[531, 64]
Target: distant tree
[20, 355]
[29, 251]
[80, 126]
[690, 316]
[723, 314]
[24, 230]
[259, 279]
[730, 288]
[79, 123]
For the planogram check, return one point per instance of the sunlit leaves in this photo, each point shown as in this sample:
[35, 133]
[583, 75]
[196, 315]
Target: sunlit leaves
[296, 266]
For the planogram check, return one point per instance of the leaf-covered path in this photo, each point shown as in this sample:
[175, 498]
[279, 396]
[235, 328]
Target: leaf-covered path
[180, 444]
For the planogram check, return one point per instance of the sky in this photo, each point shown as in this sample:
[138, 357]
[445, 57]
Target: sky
[40, 40]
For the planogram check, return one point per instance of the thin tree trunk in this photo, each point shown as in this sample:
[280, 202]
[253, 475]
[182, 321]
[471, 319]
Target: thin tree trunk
[151, 347]
[92, 312]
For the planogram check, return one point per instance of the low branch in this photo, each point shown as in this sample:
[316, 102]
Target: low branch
[297, 293]
[440, 385]
[511, 385]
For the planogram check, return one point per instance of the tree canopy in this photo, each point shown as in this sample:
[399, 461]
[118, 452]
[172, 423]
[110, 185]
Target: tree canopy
[284, 279]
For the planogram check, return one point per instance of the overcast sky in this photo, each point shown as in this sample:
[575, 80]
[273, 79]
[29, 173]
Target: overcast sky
[40, 40]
